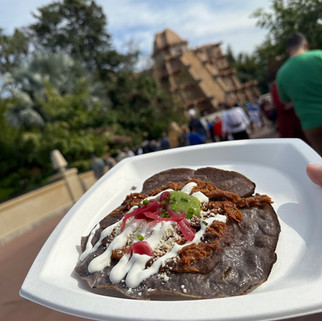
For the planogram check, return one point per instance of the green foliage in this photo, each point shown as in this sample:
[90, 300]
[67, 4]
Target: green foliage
[249, 67]
[82, 165]
[20, 168]
[71, 125]
[287, 17]
[72, 93]
[230, 55]
[25, 161]
[28, 84]
[89, 43]
[142, 106]
[13, 50]
[84, 20]
[281, 20]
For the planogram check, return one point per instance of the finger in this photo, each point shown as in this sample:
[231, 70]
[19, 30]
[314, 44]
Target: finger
[314, 171]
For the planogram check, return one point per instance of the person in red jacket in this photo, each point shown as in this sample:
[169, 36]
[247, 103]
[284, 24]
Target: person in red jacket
[289, 125]
[217, 130]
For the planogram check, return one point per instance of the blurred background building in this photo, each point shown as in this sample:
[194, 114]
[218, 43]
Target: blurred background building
[199, 78]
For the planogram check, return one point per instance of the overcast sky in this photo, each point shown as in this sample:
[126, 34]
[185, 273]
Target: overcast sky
[198, 22]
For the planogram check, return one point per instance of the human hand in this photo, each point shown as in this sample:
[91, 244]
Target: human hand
[314, 172]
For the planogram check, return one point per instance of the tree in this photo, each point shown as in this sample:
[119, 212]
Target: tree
[27, 84]
[19, 158]
[74, 93]
[72, 126]
[230, 56]
[141, 106]
[13, 50]
[78, 28]
[248, 67]
[285, 18]
[281, 20]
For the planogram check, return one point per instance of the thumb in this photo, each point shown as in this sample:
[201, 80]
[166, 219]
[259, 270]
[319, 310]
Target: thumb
[314, 172]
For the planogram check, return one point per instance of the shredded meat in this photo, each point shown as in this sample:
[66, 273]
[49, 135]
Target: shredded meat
[192, 253]
[232, 212]
[216, 229]
[170, 185]
[191, 256]
[203, 187]
[133, 199]
[257, 200]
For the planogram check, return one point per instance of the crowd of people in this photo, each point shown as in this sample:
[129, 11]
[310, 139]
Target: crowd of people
[234, 123]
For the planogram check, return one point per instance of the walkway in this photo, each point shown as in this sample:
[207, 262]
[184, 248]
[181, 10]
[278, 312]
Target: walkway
[16, 258]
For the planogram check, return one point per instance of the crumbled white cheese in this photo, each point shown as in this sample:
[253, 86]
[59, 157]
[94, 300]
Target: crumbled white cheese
[163, 276]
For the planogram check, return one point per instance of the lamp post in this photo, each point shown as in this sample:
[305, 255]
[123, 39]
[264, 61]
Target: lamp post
[57, 160]
[59, 163]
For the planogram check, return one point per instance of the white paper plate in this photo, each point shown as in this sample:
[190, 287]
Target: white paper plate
[277, 166]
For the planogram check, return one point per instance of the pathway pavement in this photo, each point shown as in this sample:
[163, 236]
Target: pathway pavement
[17, 256]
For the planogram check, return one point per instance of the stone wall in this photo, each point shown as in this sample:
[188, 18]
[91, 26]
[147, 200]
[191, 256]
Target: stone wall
[22, 213]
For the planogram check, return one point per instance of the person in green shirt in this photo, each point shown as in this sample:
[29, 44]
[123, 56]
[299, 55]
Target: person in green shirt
[299, 81]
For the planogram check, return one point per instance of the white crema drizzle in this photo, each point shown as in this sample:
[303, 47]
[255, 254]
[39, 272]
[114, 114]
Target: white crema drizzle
[132, 267]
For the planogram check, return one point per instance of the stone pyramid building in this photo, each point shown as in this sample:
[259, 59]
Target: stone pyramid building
[199, 78]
